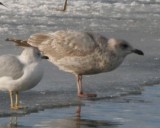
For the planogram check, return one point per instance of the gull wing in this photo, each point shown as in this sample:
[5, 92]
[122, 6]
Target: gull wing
[10, 66]
[67, 43]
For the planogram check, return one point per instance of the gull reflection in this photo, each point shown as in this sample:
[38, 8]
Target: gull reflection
[12, 123]
[77, 121]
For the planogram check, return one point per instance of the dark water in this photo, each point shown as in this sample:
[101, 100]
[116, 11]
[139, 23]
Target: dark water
[123, 98]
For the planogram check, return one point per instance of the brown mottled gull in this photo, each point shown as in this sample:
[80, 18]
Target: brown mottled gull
[82, 53]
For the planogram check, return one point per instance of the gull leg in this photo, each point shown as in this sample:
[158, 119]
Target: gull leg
[11, 99]
[17, 100]
[80, 92]
[79, 85]
[17, 105]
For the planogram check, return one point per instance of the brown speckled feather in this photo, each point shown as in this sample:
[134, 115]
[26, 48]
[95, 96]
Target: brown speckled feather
[62, 43]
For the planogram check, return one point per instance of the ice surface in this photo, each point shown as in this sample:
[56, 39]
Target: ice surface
[137, 21]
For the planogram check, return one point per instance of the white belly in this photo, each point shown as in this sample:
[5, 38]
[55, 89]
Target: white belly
[31, 77]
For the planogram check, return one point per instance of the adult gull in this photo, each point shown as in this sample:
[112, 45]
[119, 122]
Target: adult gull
[20, 73]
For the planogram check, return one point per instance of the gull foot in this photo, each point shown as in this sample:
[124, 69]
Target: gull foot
[18, 107]
[87, 95]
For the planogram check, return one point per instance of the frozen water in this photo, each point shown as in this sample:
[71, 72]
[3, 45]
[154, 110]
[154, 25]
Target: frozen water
[137, 21]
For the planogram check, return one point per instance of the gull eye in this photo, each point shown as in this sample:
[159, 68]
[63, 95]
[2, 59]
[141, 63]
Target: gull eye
[124, 46]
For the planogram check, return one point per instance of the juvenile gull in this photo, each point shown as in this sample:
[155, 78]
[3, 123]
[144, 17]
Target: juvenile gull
[82, 53]
[20, 73]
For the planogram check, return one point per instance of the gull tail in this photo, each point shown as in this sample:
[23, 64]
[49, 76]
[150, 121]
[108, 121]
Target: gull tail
[19, 42]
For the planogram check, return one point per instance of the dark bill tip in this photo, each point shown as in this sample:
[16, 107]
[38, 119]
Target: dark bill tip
[139, 52]
[45, 57]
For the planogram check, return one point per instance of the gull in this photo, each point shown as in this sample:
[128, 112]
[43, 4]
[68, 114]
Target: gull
[20, 73]
[82, 53]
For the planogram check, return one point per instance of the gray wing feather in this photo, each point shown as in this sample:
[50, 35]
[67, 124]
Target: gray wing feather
[10, 66]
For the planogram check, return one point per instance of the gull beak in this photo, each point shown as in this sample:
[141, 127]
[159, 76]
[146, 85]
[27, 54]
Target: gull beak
[139, 52]
[45, 57]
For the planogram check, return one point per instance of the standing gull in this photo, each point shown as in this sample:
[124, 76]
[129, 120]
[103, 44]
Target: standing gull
[20, 73]
[82, 53]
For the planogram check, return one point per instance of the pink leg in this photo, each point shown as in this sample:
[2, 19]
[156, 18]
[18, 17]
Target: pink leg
[80, 92]
[79, 84]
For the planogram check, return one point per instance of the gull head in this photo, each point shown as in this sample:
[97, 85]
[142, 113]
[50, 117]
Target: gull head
[122, 47]
[32, 54]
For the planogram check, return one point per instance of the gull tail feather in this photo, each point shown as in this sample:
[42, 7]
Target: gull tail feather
[19, 42]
